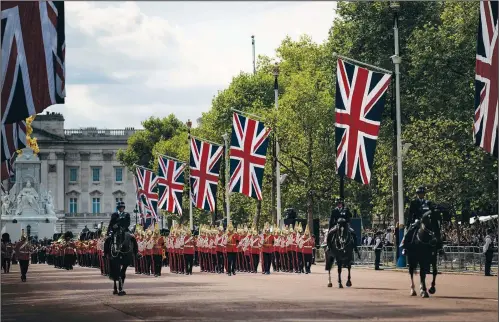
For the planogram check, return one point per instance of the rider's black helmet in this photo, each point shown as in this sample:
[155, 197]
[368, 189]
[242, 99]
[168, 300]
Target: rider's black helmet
[420, 189]
[120, 204]
[340, 200]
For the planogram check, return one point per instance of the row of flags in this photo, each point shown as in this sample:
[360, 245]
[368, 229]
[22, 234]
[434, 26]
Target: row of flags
[33, 69]
[164, 190]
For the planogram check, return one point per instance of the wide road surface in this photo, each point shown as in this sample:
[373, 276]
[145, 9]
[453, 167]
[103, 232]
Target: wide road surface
[54, 295]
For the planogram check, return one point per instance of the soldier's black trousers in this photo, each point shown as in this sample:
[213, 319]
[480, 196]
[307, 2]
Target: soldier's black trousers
[23, 265]
[256, 261]
[276, 261]
[189, 261]
[68, 261]
[266, 262]
[220, 262]
[231, 262]
[488, 261]
[157, 264]
[148, 264]
[6, 264]
[247, 263]
[300, 261]
[308, 262]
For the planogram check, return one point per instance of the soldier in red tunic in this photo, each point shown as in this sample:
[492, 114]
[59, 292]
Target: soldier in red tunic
[23, 254]
[308, 243]
[231, 247]
[158, 247]
[276, 259]
[267, 249]
[188, 244]
[299, 250]
[256, 247]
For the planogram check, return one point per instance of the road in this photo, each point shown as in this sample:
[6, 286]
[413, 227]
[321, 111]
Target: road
[54, 295]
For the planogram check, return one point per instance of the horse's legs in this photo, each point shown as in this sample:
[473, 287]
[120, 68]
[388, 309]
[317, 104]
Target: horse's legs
[432, 289]
[115, 291]
[339, 274]
[122, 277]
[411, 273]
[329, 265]
[424, 266]
[349, 282]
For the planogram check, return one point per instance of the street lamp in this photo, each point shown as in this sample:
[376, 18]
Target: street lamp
[275, 72]
[191, 217]
[225, 136]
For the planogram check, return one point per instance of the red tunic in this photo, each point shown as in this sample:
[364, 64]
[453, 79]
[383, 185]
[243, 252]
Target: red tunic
[231, 243]
[268, 243]
[158, 246]
[188, 245]
[308, 245]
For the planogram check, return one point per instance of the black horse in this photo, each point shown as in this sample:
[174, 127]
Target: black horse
[120, 248]
[340, 246]
[423, 251]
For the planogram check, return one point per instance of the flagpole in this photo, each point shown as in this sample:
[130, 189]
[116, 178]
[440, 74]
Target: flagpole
[227, 175]
[365, 64]
[249, 114]
[191, 217]
[277, 166]
[169, 157]
[400, 193]
[204, 140]
[254, 58]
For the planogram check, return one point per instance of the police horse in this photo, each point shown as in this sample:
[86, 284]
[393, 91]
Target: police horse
[120, 248]
[422, 251]
[340, 247]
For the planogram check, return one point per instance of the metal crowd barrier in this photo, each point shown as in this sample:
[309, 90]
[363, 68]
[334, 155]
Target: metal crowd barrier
[457, 258]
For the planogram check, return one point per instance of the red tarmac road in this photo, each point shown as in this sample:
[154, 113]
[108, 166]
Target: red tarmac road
[55, 295]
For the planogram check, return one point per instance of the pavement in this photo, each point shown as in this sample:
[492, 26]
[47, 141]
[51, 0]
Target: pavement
[55, 295]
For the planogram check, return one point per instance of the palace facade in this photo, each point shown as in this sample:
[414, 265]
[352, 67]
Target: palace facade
[81, 170]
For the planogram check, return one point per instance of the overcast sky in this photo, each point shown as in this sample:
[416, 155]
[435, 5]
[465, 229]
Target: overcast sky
[126, 61]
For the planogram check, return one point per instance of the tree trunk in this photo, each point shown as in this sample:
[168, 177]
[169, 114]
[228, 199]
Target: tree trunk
[256, 218]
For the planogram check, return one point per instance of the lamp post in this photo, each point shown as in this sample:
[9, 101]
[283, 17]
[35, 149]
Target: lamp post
[191, 219]
[227, 175]
[275, 72]
[395, 6]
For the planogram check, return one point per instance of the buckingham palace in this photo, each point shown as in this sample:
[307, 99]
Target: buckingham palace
[80, 169]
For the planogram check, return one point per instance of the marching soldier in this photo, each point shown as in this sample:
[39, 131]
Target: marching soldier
[23, 254]
[188, 250]
[267, 249]
[307, 243]
[290, 248]
[256, 246]
[283, 250]
[7, 251]
[246, 247]
[299, 250]
[158, 242]
[276, 265]
[220, 250]
[231, 242]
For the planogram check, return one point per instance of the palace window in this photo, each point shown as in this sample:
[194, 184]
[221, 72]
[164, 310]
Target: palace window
[73, 205]
[118, 174]
[96, 205]
[95, 174]
[73, 174]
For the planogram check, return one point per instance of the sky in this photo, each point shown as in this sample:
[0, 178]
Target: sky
[127, 61]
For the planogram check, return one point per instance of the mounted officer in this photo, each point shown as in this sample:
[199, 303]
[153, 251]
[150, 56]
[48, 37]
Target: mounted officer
[342, 212]
[417, 209]
[120, 221]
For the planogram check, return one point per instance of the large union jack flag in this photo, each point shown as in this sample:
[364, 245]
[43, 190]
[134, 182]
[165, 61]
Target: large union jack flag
[204, 165]
[146, 180]
[170, 185]
[138, 193]
[360, 98]
[7, 169]
[248, 150]
[487, 67]
[33, 50]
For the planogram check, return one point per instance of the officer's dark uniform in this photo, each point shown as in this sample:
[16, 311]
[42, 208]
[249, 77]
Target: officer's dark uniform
[342, 212]
[416, 210]
[119, 219]
[488, 250]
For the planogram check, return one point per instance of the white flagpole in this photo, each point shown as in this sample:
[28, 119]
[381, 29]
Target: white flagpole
[191, 217]
[227, 175]
[277, 167]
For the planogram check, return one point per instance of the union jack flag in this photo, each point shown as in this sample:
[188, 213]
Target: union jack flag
[138, 193]
[33, 51]
[204, 172]
[146, 180]
[13, 139]
[170, 185]
[248, 150]
[487, 66]
[7, 169]
[360, 98]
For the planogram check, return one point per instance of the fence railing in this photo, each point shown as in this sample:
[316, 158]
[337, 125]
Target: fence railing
[457, 258]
